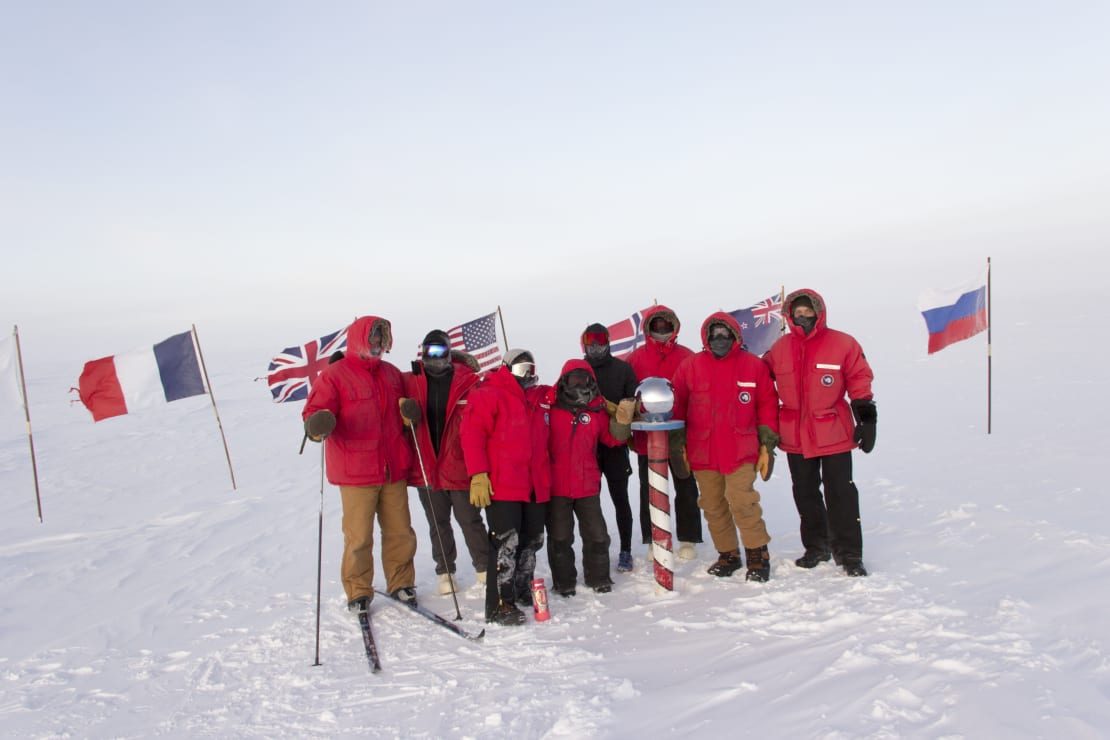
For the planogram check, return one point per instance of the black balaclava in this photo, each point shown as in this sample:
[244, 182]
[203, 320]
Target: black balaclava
[596, 354]
[806, 322]
[440, 365]
[576, 389]
[720, 339]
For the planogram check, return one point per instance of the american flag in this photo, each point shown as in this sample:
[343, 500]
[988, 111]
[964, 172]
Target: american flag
[479, 339]
[294, 369]
[627, 335]
[761, 323]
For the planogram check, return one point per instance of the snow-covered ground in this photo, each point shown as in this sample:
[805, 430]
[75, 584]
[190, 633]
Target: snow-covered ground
[157, 601]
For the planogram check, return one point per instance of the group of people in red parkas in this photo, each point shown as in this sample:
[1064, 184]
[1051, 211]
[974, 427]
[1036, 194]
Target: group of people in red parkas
[532, 456]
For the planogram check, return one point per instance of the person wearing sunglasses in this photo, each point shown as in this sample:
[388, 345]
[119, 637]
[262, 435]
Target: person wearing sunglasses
[814, 368]
[659, 357]
[727, 399]
[616, 380]
[352, 408]
[437, 388]
[504, 443]
[579, 422]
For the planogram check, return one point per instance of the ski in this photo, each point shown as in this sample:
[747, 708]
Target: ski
[368, 641]
[440, 620]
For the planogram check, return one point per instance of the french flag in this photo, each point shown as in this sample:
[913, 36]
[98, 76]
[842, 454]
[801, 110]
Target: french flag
[954, 314]
[152, 376]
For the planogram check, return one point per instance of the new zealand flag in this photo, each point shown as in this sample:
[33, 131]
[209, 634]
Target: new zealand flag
[761, 324]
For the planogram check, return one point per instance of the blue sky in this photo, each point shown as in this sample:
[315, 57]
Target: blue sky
[294, 162]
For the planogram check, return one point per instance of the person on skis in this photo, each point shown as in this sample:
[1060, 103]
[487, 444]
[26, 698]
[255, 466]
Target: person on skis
[353, 409]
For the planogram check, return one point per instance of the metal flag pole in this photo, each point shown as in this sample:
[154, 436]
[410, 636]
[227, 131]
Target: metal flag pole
[212, 396]
[503, 334]
[988, 345]
[319, 553]
[27, 415]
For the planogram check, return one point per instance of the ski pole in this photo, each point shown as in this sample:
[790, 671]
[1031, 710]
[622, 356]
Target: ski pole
[319, 555]
[435, 522]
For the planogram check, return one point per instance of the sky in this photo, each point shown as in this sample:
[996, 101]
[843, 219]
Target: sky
[278, 168]
[268, 171]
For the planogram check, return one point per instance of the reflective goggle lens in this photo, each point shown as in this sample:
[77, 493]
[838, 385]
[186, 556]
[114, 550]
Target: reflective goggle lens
[523, 369]
[435, 350]
[594, 337]
[577, 379]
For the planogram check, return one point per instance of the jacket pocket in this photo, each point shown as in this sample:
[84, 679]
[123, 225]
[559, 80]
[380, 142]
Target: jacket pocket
[828, 429]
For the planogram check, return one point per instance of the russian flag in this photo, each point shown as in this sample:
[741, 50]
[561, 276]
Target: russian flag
[954, 314]
[120, 384]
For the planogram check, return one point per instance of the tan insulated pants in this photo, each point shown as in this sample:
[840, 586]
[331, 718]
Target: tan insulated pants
[722, 495]
[390, 504]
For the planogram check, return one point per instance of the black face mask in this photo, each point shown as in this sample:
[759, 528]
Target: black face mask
[720, 346]
[596, 352]
[437, 367]
[806, 322]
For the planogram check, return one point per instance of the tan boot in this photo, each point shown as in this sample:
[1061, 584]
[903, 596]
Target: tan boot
[446, 583]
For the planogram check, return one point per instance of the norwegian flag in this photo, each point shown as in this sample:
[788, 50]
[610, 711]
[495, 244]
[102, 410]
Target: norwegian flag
[627, 335]
[761, 323]
[478, 338]
[293, 370]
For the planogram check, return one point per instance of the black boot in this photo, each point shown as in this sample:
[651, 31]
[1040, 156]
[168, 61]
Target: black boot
[855, 569]
[507, 615]
[759, 564]
[727, 564]
[812, 558]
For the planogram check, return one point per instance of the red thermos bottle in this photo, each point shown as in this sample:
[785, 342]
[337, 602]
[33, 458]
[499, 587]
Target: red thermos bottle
[539, 600]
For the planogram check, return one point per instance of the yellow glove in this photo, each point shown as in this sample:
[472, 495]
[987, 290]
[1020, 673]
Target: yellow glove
[480, 490]
[626, 409]
[766, 463]
[610, 408]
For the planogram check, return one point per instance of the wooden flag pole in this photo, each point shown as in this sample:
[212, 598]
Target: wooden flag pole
[212, 396]
[27, 415]
[503, 334]
[988, 345]
[783, 310]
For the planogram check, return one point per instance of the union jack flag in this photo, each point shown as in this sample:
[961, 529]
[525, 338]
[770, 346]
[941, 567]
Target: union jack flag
[627, 335]
[294, 369]
[478, 338]
[761, 323]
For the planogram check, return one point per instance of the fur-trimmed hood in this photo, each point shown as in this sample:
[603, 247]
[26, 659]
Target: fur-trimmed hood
[720, 317]
[818, 307]
[358, 337]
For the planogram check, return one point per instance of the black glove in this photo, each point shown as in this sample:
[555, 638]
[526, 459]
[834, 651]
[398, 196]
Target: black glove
[319, 425]
[676, 441]
[866, 416]
[767, 438]
[410, 411]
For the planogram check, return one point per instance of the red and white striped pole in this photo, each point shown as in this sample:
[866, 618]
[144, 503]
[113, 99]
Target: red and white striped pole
[659, 506]
[655, 401]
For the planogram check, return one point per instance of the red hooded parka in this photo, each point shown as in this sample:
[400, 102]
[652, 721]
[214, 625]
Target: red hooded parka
[574, 437]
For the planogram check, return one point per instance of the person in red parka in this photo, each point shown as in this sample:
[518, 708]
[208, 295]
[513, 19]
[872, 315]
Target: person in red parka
[659, 357]
[578, 423]
[814, 367]
[439, 384]
[727, 399]
[354, 404]
[504, 442]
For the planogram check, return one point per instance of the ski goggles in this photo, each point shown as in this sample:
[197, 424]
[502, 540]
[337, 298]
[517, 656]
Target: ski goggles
[523, 369]
[435, 351]
[578, 379]
[719, 331]
[661, 326]
[595, 337]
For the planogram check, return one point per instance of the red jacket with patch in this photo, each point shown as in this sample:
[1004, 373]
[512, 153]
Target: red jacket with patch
[656, 359]
[369, 445]
[447, 470]
[723, 401]
[504, 434]
[813, 374]
[574, 437]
